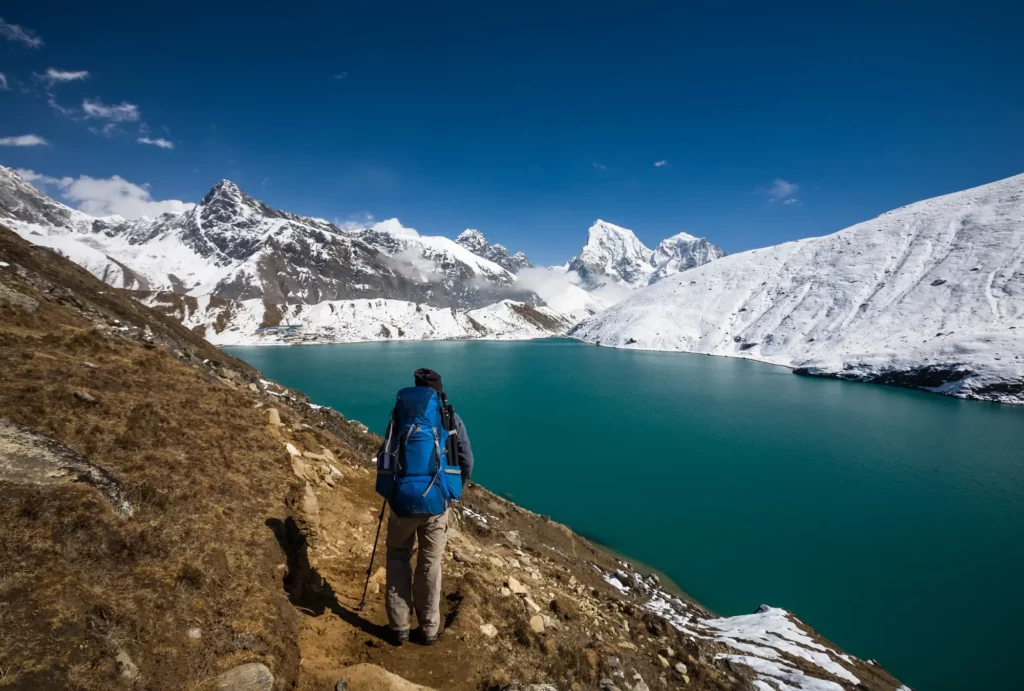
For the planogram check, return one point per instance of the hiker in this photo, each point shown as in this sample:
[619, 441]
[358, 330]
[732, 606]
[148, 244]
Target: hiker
[422, 467]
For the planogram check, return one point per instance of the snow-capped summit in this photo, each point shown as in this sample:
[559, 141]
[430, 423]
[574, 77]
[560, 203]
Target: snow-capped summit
[233, 246]
[475, 241]
[612, 252]
[930, 295]
[681, 252]
[615, 253]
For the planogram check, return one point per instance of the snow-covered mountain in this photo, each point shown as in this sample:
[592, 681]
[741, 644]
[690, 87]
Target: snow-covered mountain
[613, 253]
[476, 242]
[236, 247]
[255, 322]
[930, 295]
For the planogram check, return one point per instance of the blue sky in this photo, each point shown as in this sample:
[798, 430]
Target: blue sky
[527, 120]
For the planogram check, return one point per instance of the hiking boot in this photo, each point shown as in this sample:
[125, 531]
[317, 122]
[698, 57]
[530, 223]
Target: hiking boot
[399, 637]
[424, 639]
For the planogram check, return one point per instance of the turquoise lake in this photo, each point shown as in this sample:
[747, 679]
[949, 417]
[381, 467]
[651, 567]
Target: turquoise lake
[890, 520]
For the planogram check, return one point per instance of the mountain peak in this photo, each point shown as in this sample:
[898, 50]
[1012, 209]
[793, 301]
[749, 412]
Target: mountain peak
[224, 189]
[476, 242]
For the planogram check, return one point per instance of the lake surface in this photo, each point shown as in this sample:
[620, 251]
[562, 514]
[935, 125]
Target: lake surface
[890, 520]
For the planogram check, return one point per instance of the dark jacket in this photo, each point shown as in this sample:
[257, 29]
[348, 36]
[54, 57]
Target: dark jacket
[465, 450]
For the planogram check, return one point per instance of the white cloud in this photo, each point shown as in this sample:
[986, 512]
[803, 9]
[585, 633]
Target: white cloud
[599, 166]
[122, 112]
[791, 200]
[33, 176]
[660, 164]
[782, 189]
[3, 82]
[55, 76]
[354, 223]
[395, 227]
[24, 140]
[108, 196]
[162, 143]
[13, 32]
[340, 76]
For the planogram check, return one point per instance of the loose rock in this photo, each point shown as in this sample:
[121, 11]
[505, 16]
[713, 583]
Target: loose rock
[194, 633]
[663, 662]
[532, 606]
[537, 623]
[85, 397]
[253, 676]
[489, 630]
[515, 586]
[128, 669]
[273, 417]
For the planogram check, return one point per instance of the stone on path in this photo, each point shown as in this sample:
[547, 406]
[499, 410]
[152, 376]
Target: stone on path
[253, 676]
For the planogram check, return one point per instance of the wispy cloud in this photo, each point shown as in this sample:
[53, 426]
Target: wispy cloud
[159, 141]
[109, 196]
[354, 222]
[660, 164]
[3, 82]
[24, 140]
[599, 166]
[54, 76]
[340, 76]
[782, 191]
[19, 34]
[121, 112]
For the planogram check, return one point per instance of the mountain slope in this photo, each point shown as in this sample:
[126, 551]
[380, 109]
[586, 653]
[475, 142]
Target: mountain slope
[477, 243]
[613, 253]
[929, 295]
[165, 529]
[233, 246]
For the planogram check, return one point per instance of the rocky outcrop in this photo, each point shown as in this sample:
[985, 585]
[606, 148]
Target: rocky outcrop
[30, 458]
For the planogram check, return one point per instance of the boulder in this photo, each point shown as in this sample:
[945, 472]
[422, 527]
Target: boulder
[273, 417]
[515, 586]
[335, 474]
[253, 676]
[537, 623]
[367, 677]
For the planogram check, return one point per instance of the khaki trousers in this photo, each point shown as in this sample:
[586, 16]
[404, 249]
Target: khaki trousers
[402, 592]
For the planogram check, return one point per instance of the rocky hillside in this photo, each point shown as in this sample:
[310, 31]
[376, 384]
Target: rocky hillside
[929, 296]
[475, 242]
[172, 520]
[615, 254]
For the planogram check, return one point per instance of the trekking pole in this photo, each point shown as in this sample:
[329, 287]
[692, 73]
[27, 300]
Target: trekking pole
[369, 569]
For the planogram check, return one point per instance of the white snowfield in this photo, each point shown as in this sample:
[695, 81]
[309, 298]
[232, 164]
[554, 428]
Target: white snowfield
[775, 648]
[350, 321]
[929, 295]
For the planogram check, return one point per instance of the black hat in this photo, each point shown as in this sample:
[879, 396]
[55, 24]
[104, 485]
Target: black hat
[428, 377]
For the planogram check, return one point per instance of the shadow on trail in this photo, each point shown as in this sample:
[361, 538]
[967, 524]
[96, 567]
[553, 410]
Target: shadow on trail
[307, 589]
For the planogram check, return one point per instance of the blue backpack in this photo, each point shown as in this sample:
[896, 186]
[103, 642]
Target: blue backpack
[417, 472]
